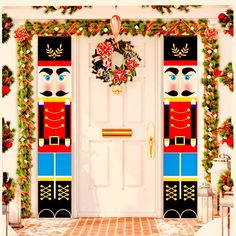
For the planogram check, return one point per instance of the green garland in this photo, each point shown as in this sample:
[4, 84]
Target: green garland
[7, 80]
[7, 135]
[168, 8]
[91, 28]
[25, 119]
[210, 103]
[226, 76]
[7, 24]
[64, 9]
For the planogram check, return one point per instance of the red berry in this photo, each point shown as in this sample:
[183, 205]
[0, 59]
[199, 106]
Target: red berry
[79, 7]
[154, 7]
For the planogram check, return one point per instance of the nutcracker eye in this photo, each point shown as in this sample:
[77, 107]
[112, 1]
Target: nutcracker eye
[187, 77]
[173, 77]
[47, 77]
[61, 77]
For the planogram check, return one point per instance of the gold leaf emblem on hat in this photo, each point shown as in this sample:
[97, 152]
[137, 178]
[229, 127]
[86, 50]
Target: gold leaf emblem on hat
[180, 52]
[54, 53]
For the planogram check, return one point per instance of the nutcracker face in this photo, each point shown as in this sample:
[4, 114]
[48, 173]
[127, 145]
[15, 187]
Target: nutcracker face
[54, 82]
[180, 81]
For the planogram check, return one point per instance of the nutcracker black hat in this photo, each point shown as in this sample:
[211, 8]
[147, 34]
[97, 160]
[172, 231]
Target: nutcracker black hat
[54, 51]
[180, 50]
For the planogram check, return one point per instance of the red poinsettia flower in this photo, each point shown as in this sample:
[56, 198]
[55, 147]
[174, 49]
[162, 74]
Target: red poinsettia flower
[211, 33]
[21, 34]
[217, 73]
[131, 64]
[105, 49]
[5, 90]
[119, 75]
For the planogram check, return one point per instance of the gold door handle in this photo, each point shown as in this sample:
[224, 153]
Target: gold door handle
[151, 147]
[151, 140]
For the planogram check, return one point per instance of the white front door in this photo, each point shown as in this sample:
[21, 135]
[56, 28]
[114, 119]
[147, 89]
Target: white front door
[116, 175]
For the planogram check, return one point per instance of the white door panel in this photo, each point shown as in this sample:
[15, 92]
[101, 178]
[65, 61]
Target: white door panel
[117, 177]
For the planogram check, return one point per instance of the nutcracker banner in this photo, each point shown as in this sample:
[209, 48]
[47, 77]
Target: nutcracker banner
[180, 126]
[54, 93]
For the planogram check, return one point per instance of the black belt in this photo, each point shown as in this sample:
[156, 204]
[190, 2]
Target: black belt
[54, 140]
[180, 141]
[61, 141]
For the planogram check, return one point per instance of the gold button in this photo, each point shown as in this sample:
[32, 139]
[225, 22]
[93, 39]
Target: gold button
[172, 125]
[62, 125]
[172, 109]
[46, 117]
[62, 117]
[188, 109]
[46, 125]
[188, 125]
[46, 109]
[62, 109]
[188, 117]
[172, 117]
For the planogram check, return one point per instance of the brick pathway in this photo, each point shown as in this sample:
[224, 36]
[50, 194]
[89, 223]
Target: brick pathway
[109, 226]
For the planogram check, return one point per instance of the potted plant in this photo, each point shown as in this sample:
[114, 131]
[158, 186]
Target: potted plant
[225, 186]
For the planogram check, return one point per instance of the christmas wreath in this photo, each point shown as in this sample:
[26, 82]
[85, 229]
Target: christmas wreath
[7, 24]
[225, 182]
[102, 62]
[8, 188]
[7, 135]
[7, 80]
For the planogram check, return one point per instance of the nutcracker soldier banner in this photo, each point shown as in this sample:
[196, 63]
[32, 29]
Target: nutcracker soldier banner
[54, 126]
[180, 127]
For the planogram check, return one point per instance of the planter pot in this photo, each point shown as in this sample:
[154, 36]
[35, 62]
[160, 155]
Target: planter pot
[228, 199]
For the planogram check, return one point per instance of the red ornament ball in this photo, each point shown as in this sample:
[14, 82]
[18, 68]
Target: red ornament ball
[231, 31]
[222, 17]
[5, 90]
[9, 145]
[230, 141]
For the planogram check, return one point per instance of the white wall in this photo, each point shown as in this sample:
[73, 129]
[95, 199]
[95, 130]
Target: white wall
[9, 108]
